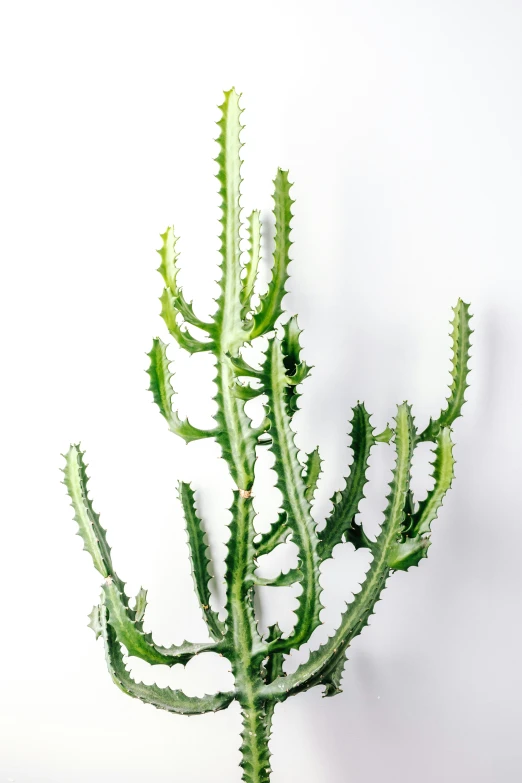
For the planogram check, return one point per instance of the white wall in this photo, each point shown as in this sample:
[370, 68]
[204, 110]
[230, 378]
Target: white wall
[401, 124]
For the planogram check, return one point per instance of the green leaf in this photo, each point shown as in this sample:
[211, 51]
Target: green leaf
[340, 525]
[162, 391]
[161, 698]
[461, 344]
[270, 307]
[200, 560]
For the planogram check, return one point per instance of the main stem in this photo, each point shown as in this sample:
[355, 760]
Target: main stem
[238, 441]
[254, 747]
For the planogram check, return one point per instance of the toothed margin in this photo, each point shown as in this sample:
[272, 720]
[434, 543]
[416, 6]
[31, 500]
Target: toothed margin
[161, 698]
[254, 257]
[163, 392]
[416, 540]
[255, 753]
[340, 525]
[461, 345]
[200, 559]
[291, 485]
[270, 308]
[140, 644]
[312, 473]
[329, 655]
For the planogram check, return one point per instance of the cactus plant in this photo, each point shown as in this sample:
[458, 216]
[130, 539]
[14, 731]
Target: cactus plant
[257, 660]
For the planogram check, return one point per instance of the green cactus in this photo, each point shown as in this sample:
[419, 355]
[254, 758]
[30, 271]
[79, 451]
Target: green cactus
[404, 538]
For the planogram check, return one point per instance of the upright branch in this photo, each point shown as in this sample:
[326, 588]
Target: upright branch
[242, 316]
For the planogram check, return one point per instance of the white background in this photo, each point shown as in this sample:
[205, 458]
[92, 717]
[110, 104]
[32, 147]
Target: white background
[401, 125]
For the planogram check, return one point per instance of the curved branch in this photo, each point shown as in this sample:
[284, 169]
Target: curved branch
[161, 698]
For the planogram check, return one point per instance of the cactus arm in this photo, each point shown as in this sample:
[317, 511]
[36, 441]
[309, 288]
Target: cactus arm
[320, 663]
[169, 313]
[270, 307]
[414, 546]
[254, 257]
[161, 698]
[278, 534]
[89, 527]
[200, 560]
[234, 432]
[140, 644]
[162, 392]
[282, 580]
[461, 344]
[168, 269]
[290, 483]
[385, 436]
[186, 310]
[244, 392]
[242, 368]
[127, 625]
[312, 473]
[340, 524]
[228, 316]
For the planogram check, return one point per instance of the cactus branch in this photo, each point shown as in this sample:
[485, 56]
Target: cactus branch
[340, 524]
[278, 534]
[293, 489]
[461, 344]
[200, 560]
[161, 698]
[316, 670]
[256, 659]
[162, 391]
[254, 257]
[270, 307]
[141, 645]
